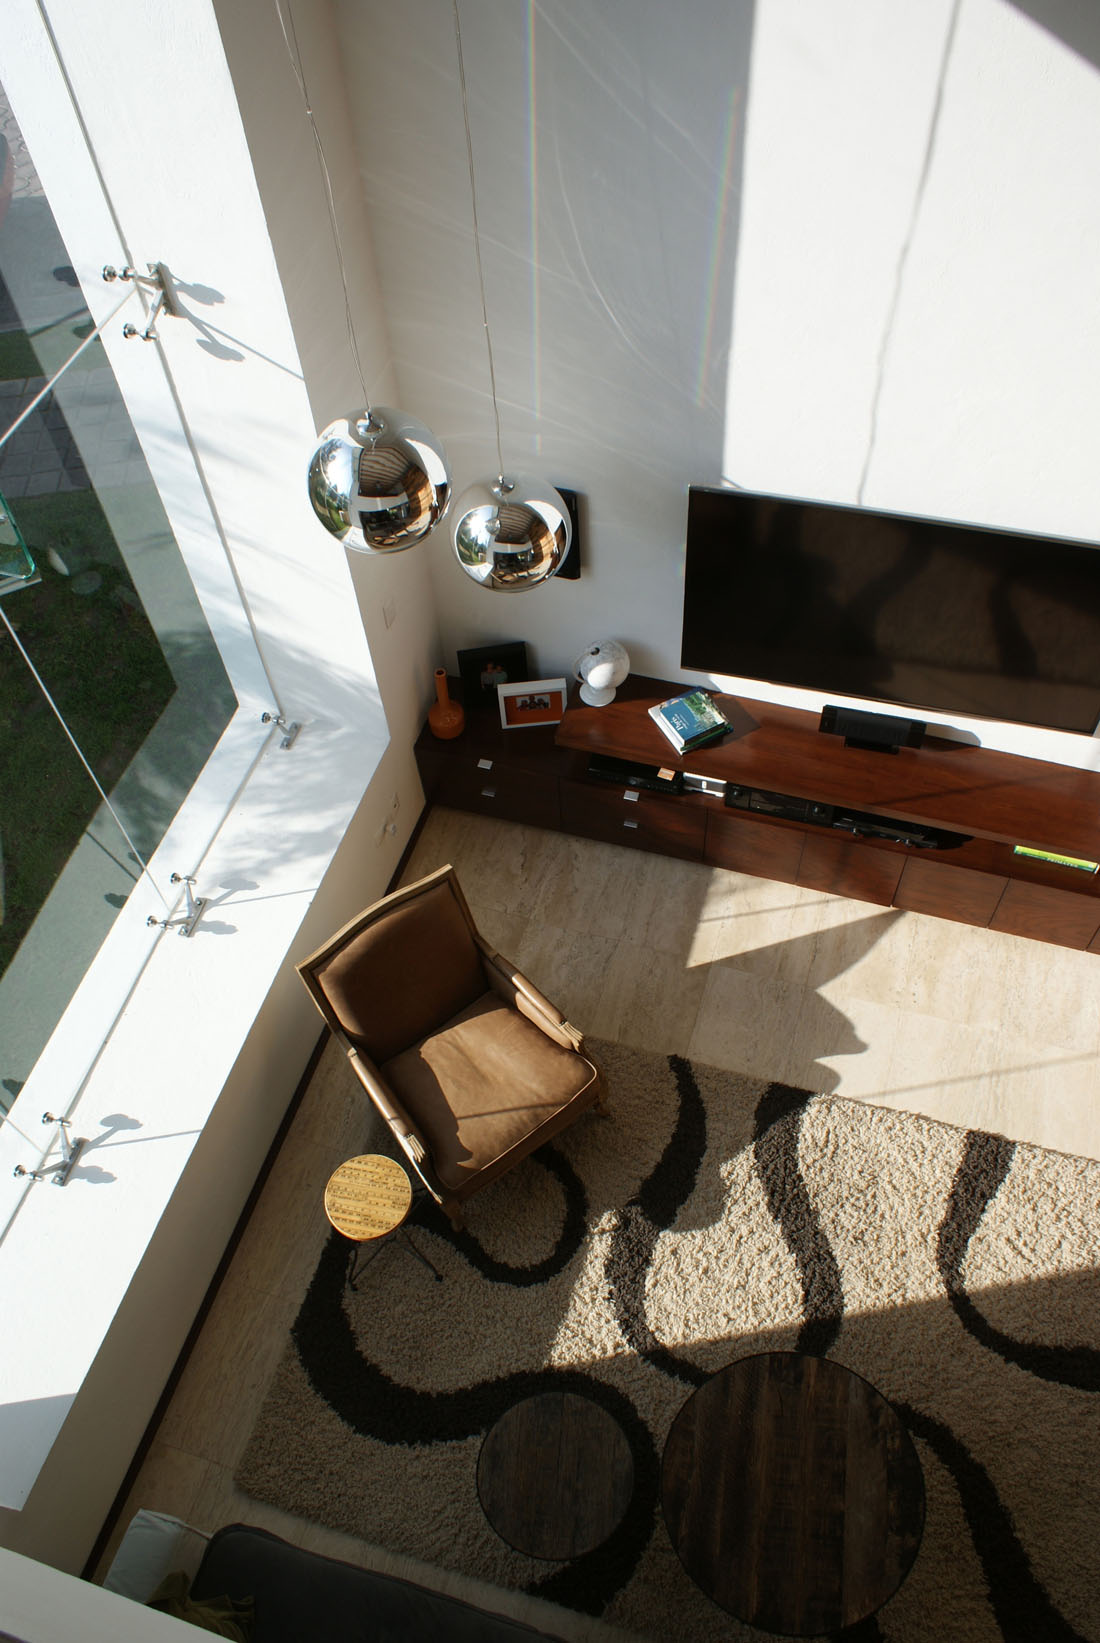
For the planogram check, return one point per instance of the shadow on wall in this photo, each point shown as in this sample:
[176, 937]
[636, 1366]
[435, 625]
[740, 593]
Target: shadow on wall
[21, 1427]
[1077, 26]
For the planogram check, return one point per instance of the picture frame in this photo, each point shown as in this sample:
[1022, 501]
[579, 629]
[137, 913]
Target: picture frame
[484, 668]
[532, 702]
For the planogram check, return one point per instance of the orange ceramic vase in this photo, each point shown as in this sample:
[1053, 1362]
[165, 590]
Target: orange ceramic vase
[445, 718]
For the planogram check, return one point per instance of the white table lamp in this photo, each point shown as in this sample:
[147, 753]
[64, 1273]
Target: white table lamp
[601, 669]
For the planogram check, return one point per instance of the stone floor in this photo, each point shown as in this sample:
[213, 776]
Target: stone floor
[965, 1025]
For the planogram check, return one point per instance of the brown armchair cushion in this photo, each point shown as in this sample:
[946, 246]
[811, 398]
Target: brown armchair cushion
[505, 1083]
[400, 976]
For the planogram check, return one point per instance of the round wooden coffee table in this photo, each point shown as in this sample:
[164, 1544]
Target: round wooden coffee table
[555, 1475]
[792, 1493]
[367, 1199]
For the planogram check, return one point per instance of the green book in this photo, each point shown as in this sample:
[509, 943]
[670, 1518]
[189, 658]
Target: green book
[1053, 855]
[690, 720]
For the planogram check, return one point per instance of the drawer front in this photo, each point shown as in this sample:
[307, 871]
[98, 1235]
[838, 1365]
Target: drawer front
[1048, 914]
[845, 867]
[491, 788]
[673, 825]
[770, 850]
[931, 886]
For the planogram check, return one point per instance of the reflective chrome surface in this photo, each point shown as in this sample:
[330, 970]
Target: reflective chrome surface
[511, 534]
[601, 669]
[378, 480]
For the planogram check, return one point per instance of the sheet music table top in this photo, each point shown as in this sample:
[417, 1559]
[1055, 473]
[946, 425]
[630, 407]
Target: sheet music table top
[368, 1197]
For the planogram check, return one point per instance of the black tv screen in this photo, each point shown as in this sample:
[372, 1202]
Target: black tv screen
[953, 618]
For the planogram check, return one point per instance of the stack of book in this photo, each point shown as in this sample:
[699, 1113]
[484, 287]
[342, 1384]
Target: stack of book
[690, 720]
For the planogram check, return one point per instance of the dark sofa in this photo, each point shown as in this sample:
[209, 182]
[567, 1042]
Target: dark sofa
[304, 1597]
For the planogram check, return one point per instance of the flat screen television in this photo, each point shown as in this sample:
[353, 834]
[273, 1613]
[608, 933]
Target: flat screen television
[955, 619]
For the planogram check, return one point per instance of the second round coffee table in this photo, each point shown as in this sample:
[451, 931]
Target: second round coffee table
[555, 1475]
[793, 1493]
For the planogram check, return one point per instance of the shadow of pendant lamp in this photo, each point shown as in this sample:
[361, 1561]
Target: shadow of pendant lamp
[511, 532]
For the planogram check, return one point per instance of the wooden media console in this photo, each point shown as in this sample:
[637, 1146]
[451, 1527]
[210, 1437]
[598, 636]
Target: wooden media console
[541, 776]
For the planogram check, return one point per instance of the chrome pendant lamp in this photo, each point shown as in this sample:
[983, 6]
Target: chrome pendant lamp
[378, 478]
[513, 531]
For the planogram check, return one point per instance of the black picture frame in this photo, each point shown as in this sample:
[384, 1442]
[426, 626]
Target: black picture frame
[481, 670]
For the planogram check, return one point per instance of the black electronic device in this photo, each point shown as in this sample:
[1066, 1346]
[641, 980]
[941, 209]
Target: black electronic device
[626, 773]
[570, 568]
[933, 615]
[878, 732]
[784, 805]
[866, 824]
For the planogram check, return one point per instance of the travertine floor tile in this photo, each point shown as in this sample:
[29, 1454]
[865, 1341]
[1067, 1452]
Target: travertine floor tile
[292, 1200]
[742, 917]
[770, 1029]
[916, 1063]
[590, 890]
[570, 968]
[226, 1380]
[653, 1006]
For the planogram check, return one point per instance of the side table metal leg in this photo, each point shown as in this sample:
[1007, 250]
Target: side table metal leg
[358, 1261]
[419, 1254]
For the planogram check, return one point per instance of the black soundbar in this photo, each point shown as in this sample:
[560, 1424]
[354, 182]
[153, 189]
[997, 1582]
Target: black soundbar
[877, 732]
[863, 823]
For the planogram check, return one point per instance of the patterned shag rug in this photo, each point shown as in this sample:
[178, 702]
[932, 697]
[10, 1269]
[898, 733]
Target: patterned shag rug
[711, 1217]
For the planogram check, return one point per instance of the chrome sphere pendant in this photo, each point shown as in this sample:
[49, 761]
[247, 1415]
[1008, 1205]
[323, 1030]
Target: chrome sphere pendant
[511, 533]
[378, 480]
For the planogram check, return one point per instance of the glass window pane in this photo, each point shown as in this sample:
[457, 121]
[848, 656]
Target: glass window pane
[95, 588]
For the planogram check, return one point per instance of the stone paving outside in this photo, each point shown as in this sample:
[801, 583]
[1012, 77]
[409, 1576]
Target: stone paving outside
[55, 448]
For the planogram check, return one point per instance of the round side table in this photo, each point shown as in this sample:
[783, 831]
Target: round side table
[555, 1475]
[367, 1200]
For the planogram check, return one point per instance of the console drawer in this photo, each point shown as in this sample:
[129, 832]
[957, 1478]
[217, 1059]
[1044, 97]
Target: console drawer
[928, 885]
[490, 787]
[1047, 913]
[769, 850]
[673, 824]
[843, 866]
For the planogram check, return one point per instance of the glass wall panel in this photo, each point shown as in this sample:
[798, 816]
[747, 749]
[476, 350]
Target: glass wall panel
[100, 625]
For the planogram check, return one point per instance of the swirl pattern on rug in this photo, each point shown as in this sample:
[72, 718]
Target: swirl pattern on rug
[711, 1217]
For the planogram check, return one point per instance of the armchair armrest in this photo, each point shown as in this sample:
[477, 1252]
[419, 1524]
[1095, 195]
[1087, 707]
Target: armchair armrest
[398, 1120]
[525, 997]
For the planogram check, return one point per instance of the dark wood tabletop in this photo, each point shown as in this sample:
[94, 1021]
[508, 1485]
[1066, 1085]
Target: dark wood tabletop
[555, 1475]
[780, 749]
[792, 1493]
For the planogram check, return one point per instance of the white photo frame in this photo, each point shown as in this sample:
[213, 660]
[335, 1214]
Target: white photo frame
[532, 702]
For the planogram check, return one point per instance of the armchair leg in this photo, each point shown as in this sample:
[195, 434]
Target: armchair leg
[601, 1102]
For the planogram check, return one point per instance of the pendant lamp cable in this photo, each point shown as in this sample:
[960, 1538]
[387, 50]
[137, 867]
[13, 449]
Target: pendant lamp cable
[295, 56]
[477, 238]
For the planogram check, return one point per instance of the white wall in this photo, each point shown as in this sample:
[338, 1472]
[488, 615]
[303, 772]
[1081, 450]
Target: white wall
[394, 594]
[742, 213]
[608, 233]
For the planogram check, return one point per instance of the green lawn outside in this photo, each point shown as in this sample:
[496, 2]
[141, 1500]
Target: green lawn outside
[100, 660]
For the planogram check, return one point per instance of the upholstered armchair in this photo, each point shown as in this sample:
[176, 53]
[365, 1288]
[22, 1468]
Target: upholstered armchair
[467, 1062]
